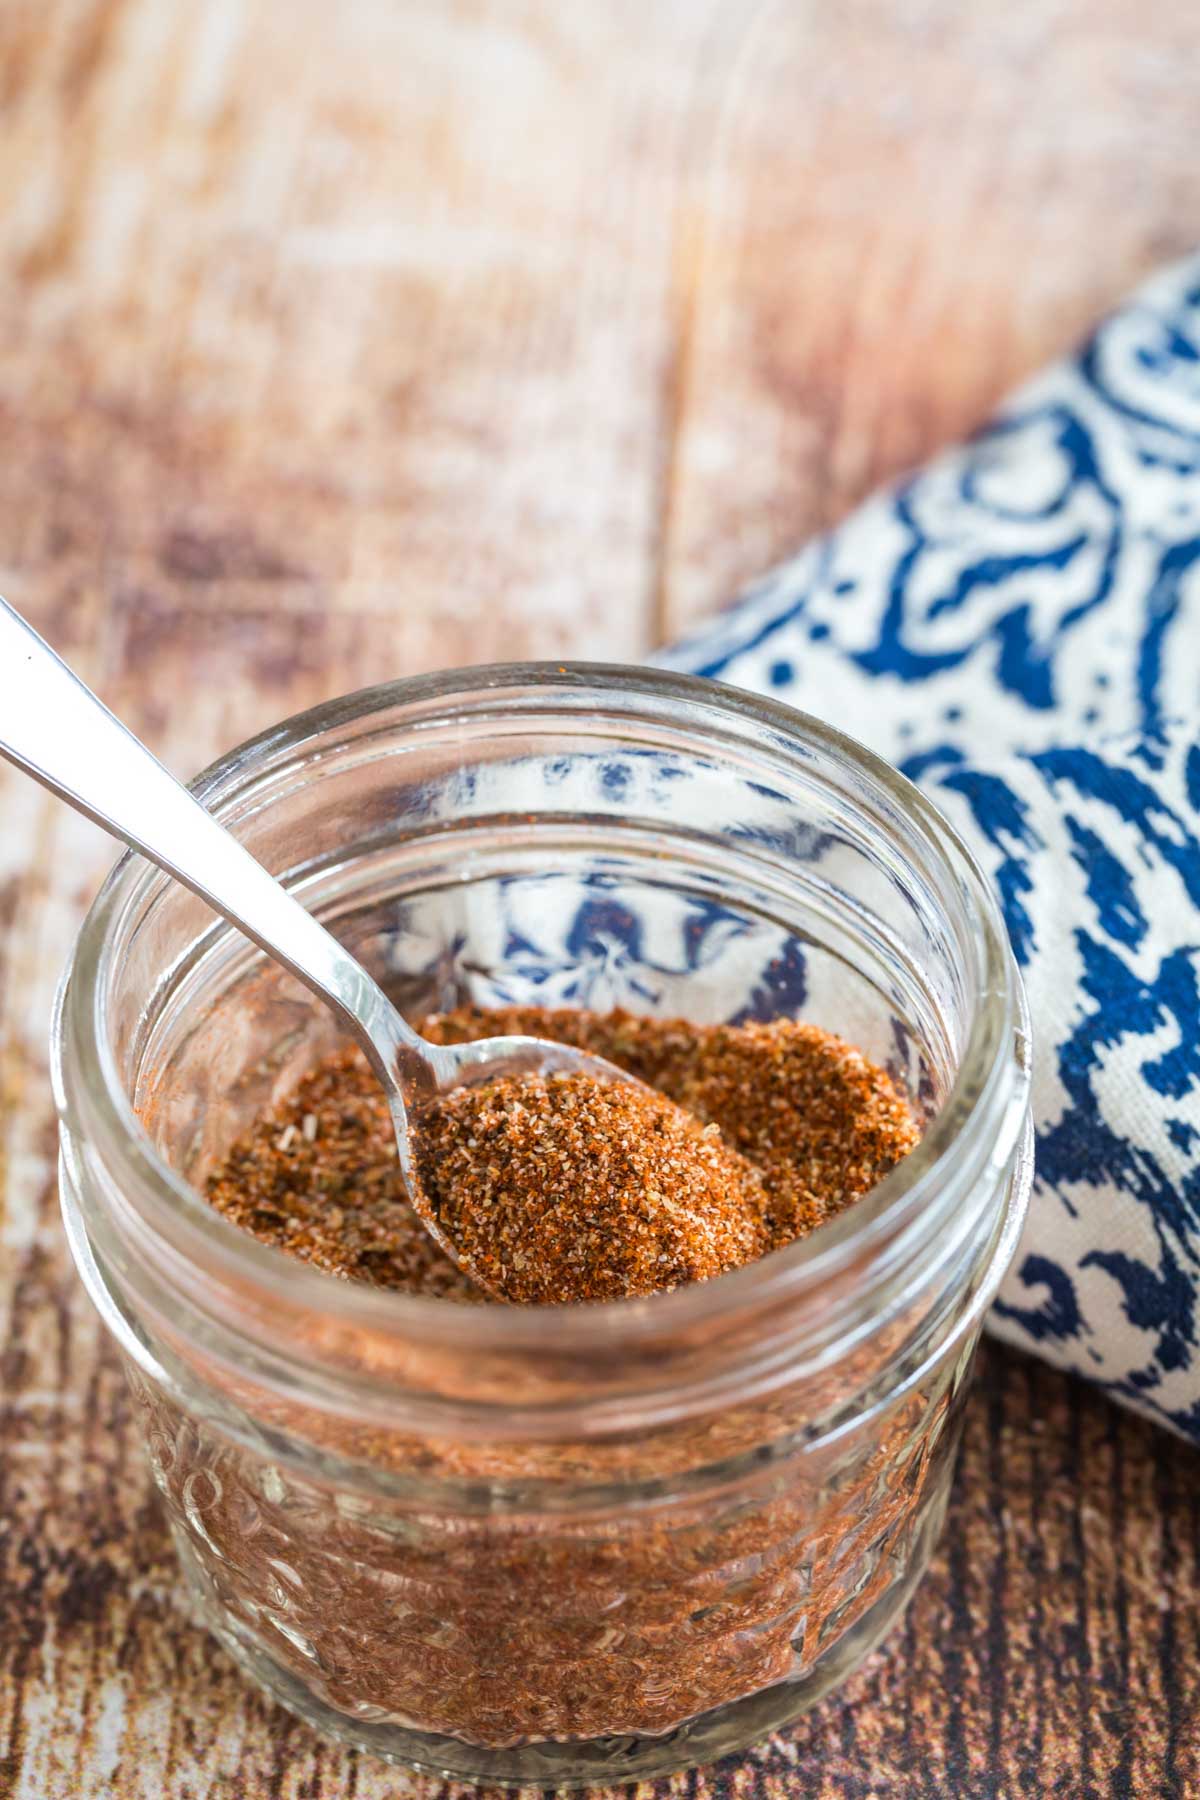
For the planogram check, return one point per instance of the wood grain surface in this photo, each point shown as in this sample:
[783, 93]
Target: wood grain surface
[338, 342]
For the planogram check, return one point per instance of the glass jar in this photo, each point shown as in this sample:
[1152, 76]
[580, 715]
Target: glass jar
[557, 1545]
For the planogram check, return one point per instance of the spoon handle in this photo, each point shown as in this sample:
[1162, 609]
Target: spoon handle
[55, 728]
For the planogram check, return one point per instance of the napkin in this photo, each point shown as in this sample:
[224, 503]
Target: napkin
[1017, 627]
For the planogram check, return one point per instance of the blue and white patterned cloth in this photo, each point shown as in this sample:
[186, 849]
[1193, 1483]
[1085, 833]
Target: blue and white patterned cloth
[1017, 626]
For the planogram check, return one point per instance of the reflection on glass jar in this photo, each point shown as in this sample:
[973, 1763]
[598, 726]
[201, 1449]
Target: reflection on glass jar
[552, 1545]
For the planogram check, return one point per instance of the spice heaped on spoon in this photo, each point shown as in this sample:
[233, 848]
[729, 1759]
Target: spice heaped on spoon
[568, 1187]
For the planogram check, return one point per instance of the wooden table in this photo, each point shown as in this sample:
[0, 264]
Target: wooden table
[340, 342]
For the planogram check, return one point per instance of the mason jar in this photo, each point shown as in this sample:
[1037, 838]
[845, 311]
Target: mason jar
[568, 1544]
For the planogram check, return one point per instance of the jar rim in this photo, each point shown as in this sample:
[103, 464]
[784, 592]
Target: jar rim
[86, 1073]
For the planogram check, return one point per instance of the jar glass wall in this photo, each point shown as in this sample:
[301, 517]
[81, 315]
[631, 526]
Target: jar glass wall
[552, 1545]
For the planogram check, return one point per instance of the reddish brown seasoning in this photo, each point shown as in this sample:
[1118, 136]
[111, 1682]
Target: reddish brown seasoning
[319, 1178]
[818, 1119]
[799, 1125]
[570, 1187]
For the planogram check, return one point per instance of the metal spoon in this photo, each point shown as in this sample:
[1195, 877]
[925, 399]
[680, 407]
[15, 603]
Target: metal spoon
[54, 727]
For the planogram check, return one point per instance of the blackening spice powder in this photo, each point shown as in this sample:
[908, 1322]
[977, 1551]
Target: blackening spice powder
[570, 1188]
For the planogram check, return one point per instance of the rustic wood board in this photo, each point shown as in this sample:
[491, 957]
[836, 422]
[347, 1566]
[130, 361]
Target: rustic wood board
[338, 343]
